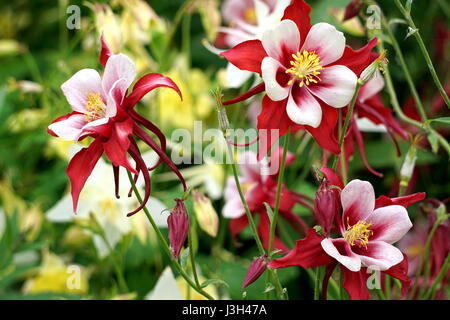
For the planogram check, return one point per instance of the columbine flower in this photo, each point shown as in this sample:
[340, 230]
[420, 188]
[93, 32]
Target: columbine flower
[367, 233]
[256, 269]
[178, 224]
[259, 187]
[103, 111]
[247, 20]
[307, 73]
[368, 228]
[99, 200]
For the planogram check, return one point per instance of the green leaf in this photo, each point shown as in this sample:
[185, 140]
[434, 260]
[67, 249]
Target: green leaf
[269, 212]
[408, 5]
[213, 281]
[184, 257]
[445, 120]
[433, 140]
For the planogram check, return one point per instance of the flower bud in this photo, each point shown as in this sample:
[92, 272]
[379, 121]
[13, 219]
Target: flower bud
[353, 9]
[206, 215]
[256, 269]
[371, 71]
[178, 224]
[325, 206]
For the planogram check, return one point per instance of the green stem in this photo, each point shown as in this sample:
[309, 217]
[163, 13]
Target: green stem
[164, 244]
[317, 284]
[408, 76]
[424, 50]
[398, 110]
[244, 202]
[273, 225]
[120, 277]
[192, 257]
[439, 277]
[346, 123]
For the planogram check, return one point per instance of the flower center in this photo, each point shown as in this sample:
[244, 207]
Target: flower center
[358, 234]
[305, 68]
[250, 16]
[95, 107]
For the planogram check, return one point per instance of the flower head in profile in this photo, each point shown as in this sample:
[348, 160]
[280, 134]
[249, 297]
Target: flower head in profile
[308, 72]
[368, 228]
[103, 110]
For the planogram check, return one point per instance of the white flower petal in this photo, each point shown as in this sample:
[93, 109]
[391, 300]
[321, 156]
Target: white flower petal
[350, 260]
[81, 84]
[269, 70]
[119, 66]
[70, 128]
[390, 223]
[336, 87]
[327, 41]
[302, 108]
[283, 39]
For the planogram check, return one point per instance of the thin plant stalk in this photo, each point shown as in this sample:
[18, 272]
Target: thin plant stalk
[276, 210]
[424, 50]
[165, 246]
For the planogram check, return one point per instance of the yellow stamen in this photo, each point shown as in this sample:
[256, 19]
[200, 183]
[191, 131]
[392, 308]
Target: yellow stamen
[305, 68]
[358, 234]
[95, 107]
[250, 16]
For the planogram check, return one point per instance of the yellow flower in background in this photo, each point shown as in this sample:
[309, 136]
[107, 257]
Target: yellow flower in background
[190, 294]
[351, 26]
[53, 275]
[197, 103]
[169, 288]
[205, 213]
[30, 217]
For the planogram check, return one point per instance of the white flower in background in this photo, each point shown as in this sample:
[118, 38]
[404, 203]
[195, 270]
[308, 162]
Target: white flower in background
[169, 288]
[2, 222]
[110, 212]
[248, 20]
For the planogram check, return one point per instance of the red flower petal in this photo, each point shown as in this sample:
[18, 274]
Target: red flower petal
[298, 11]
[81, 166]
[116, 148]
[404, 201]
[326, 134]
[308, 253]
[273, 117]
[247, 55]
[400, 272]
[358, 60]
[105, 52]
[146, 84]
[250, 93]
[355, 283]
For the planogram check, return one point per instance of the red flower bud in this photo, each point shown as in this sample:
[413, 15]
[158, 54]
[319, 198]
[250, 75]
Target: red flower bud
[256, 269]
[178, 224]
[325, 206]
[353, 9]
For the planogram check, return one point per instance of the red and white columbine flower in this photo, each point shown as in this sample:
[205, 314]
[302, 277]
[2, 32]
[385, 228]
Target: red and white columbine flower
[367, 233]
[103, 110]
[368, 228]
[308, 72]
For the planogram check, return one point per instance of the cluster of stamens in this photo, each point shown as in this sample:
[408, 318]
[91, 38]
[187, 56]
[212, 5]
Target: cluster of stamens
[358, 234]
[305, 68]
[95, 107]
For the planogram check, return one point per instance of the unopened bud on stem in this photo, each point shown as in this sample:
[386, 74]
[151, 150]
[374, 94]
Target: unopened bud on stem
[178, 224]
